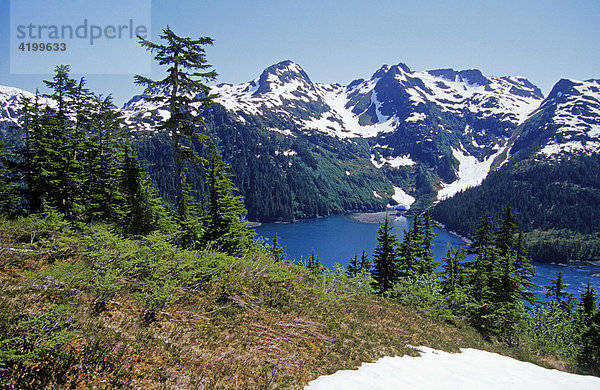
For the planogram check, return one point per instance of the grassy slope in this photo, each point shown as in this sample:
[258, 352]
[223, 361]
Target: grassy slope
[255, 325]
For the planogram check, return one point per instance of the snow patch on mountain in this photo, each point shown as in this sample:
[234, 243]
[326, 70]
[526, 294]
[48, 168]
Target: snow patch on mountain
[341, 121]
[471, 172]
[402, 198]
[510, 98]
[553, 149]
[576, 114]
[469, 369]
[393, 162]
[10, 104]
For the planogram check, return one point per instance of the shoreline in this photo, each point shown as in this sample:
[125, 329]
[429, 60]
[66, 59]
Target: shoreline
[375, 217]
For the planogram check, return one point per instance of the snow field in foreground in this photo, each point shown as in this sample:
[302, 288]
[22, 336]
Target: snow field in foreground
[470, 369]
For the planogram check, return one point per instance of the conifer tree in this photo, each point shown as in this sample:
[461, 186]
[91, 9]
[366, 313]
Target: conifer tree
[589, 356]
[385, 256]
[224, 222]
[524, 270]
[505, 234]
[454, 270]
[482, 248]
[407, 254]
[182, 91]
[189, 218]
[365, 264]
[103, 159]
[314, 263]
[356, 266]
[29, 113]
[417, 240]
[429, 264]
[9, 196]
[59, 148]
[556, 289]
[588, 303]
[353, 266]
[277, 250]
[141, 207]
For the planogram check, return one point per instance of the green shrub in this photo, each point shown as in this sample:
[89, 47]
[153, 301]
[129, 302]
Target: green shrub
[32, 347]
[423, 292]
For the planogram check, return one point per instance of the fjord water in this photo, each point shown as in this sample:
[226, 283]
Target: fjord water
[337, 238]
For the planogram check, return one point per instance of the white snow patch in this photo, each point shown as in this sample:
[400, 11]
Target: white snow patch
[416, 117]
[471, 173]
[470, 369]
[346, 124]
[285, 132]
[458, 95]
[400, 161]
[554, 148]
[347, 173]
[394, 162]
[402, 197]
[376, 194]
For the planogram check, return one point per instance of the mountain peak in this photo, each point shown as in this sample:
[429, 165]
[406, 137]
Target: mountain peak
[283, 72]
[394, 69]
[469, 76]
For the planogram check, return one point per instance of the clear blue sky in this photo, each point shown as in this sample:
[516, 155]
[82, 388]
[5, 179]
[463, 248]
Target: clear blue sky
[338, 41]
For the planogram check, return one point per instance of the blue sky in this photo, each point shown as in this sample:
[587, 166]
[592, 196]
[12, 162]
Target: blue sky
[338, 41]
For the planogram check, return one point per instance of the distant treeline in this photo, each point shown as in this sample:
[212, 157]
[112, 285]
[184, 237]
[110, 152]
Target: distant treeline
[557, 204]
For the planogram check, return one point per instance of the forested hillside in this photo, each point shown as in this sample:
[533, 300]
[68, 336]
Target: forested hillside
[552, 180]
[282, 178]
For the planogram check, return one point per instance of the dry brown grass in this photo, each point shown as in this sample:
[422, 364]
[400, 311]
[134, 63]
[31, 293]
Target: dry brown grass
[248, 330]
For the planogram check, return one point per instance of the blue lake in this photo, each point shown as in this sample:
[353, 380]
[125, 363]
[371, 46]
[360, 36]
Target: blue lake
[337, 238]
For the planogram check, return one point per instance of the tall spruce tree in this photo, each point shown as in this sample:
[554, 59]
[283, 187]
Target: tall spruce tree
[482, 248]
[429, 264]
[29, 118]
[525, 271]
[103, 160]
[588, 303]
[408, 254]
[365, 264]
[59, 148]
[314, 263]
[506, 232]
[455, 273]
[556, 289]
[182, 91]
[277, 250]
[353, 266]
[141, 207]
[9, 194]
[385, 258]
[223, 221]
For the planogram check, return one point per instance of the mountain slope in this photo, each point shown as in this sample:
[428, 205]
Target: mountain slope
[421, 131]
[303, 149]
[552, 178]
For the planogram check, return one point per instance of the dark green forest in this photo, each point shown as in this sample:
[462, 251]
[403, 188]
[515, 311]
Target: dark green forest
[556, 205]
[308, 182]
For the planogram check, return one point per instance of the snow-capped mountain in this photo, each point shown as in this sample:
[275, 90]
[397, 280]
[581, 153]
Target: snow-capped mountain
[430, 134]
[566, 123]
[551, 178]
[366, 108]
[9, 106]
[454, 122]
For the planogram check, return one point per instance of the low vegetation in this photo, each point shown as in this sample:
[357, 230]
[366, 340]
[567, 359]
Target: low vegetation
[88, 307]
